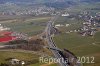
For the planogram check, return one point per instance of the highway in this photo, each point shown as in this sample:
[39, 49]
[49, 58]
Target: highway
[52, 46]
[51, 43]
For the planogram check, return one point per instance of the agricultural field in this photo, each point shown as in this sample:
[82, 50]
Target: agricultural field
[18, 55]
[30, 26]
[80, 46]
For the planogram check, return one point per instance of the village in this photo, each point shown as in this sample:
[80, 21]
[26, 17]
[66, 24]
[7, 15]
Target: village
[89, 27]
[33, 10]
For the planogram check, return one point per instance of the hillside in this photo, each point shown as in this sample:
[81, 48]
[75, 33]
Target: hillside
[44, 1]
[50, 3]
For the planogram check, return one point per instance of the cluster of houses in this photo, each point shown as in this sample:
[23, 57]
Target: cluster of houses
[20, 35]
[90, 25]
[29, 10]
[87, 30]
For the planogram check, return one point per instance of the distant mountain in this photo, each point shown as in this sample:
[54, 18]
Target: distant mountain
[50, 3]
[35, 1]
[60, 5]
[89, 1]
[47, 1]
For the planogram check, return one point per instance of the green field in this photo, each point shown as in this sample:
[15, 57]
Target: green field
[21, 56]
[30, 26]
[80, 46]
[18, 55]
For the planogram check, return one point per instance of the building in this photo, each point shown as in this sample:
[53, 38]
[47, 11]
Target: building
[59, 25]
[65, 15]
[16, 61]
[67, 25]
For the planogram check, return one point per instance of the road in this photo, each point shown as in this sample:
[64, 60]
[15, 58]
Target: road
[50, 41]
[55, 50]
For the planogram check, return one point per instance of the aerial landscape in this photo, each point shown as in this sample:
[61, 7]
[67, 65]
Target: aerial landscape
[49, 32]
